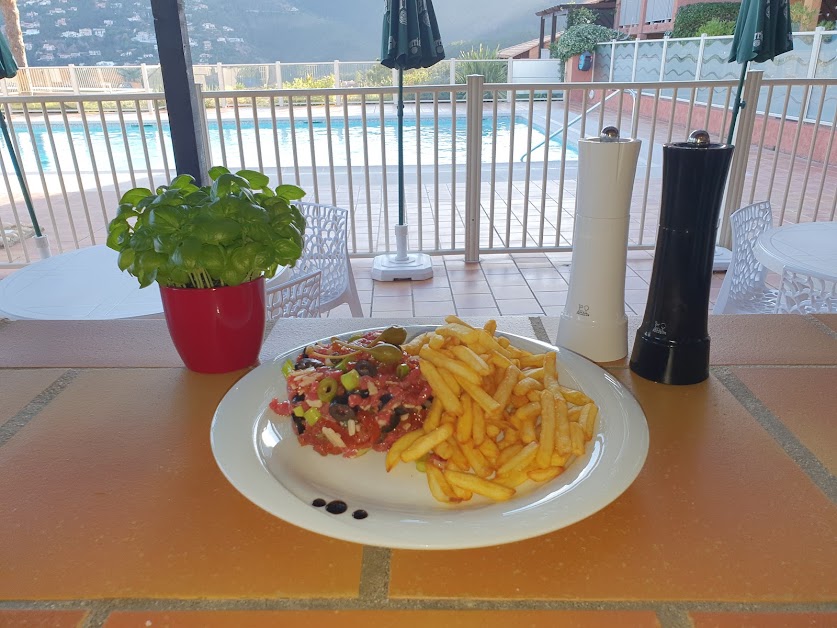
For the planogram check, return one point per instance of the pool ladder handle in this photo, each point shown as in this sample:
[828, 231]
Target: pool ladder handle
[631, 92]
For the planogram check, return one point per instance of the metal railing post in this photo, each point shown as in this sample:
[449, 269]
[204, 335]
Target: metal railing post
[202, 130]
[663, 59]
[146, 83]
[510, 79]
[73, 78]
[699, 66]
[339, 100]
[742, 140]
[612, 60]
[453, 71]
[473, 166]
[636, 58]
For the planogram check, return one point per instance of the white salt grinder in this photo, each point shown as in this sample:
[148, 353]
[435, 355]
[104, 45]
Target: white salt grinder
[594, 322]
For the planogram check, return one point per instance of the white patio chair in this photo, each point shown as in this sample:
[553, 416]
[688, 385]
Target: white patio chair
[804, 292]
[326, 249]
[298, 297]
[743, 290]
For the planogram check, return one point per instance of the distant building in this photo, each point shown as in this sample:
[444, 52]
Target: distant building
[557, 15]
[85, 32]
[99, 32]
[527, 50]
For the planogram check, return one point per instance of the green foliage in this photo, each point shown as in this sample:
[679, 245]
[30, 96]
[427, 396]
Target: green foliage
[828, 25]
[691, 18]
[582, 38]
[376, 76]
[717, 28]
[802, 17]
[309, 82]
[482, 60]
[580, 15]
[249, 77]
[186, 236]
[130, 75]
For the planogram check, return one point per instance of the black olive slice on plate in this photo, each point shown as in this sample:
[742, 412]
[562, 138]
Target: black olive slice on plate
[300, 424]
[341, 412]
[365, 367]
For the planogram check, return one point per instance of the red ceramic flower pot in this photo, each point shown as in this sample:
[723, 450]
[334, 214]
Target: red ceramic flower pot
[216, 330]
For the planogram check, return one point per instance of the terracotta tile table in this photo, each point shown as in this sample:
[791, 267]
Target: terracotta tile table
[113, 512]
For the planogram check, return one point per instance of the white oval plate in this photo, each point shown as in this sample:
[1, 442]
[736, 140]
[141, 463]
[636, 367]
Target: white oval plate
[259, 454]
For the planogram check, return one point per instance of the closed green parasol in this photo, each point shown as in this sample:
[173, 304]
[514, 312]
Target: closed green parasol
[410, 40]
[8, 69]
[763, 31]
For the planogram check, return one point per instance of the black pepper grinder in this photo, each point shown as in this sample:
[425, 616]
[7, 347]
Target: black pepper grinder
[672, 344]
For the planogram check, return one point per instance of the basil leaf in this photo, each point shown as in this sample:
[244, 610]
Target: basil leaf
[290, 192]
[217, 171]
[134, 196]
[126, 258]
[257, 180]
[164, 219]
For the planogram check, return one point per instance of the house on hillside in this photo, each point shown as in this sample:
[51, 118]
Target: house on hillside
[558, 14]
[532, 49]
[648, 19]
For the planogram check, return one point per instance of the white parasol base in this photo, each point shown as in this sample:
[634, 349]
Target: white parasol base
[414, 266]
[42, 246]
[722, 260]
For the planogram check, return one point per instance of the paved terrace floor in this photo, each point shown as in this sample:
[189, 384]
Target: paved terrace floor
[515, 284]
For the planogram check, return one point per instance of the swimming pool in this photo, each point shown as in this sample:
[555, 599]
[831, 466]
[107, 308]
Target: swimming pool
[228, 137]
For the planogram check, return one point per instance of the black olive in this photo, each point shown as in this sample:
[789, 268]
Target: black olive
[300, 424]
[365, 367]
[401, 410]
[364, 394]
[384, 400]
[307, 363]
[341, 399]
[427, 402]
[394, 420]
[341, 412]
[297, 398]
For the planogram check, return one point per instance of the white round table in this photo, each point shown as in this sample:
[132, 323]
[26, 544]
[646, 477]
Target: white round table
[807, 247]
[80, 285]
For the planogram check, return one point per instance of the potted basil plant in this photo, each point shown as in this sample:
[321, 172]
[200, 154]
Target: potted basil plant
[209, 249]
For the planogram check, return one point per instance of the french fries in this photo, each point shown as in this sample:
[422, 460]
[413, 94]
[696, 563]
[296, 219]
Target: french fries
[499, 416]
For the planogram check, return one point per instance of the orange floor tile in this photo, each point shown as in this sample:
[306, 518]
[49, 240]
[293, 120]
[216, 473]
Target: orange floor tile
[17, 389]
[700, 505]
[42, 619]
[388, 619]
[805, 400]
[763, 620]
[96, 518]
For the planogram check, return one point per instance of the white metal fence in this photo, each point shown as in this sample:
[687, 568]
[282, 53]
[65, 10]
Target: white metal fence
[490, 167]
[75, 79]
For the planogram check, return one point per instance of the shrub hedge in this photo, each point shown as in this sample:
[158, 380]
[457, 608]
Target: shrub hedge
[691, 18]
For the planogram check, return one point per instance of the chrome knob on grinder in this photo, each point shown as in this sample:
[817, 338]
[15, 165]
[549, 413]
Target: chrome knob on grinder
[672, 344]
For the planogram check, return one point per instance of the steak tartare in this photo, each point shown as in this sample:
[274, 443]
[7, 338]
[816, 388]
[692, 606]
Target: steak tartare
[348, 397]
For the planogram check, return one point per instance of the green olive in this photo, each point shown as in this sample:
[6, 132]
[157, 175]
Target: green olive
[387, 353]
[394, 335]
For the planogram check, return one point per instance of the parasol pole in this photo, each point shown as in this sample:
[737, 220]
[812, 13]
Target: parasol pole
[738, 102]
[401, 217]
[19, 174]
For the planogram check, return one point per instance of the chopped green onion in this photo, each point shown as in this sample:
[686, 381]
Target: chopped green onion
[343, 365]
[421, 464]
[287, 368]
[327, 389]
[311, 415]
[299, 411]
[402, 370]
[350, 380]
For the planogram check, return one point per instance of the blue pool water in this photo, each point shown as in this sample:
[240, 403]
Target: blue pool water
[127, 150]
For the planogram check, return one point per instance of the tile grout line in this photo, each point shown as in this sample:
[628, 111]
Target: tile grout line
[539, 329]
[799, 453]
[34, 407]
[673, 616]
[375, 569]
[821, 326]
[671, 613]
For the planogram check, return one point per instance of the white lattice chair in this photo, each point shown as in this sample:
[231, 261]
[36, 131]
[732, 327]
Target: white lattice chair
[743, 290]
[326, 249]
[804, 292]
[298, 297]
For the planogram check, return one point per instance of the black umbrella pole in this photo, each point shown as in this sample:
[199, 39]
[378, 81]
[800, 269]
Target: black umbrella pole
[401, 220]
[737, 105]
[19, 174]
